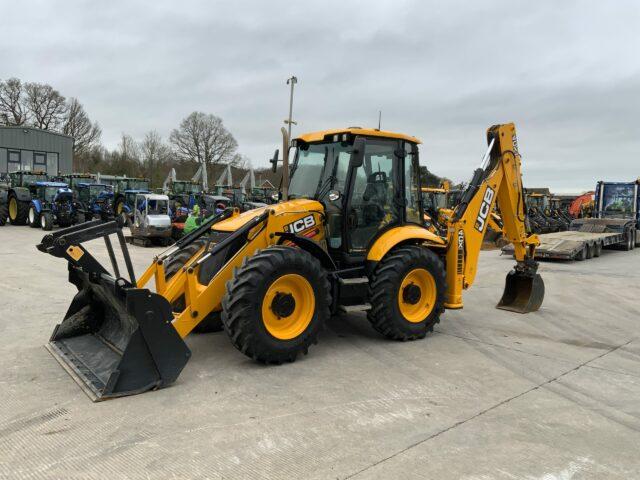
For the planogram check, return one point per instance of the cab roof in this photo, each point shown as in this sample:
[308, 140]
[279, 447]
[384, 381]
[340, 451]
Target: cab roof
[367, 132]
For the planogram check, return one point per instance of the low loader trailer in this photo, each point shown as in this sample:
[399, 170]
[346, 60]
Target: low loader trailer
[572, 245]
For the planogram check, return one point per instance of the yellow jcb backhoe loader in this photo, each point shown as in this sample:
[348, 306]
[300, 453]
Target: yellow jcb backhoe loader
[349, 238]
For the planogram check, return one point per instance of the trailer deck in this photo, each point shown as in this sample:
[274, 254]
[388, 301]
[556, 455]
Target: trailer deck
[569, 245]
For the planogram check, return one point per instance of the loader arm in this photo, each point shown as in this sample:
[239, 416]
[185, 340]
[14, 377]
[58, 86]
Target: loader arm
[498, 180]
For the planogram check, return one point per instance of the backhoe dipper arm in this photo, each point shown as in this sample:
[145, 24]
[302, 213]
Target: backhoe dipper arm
[498, 180]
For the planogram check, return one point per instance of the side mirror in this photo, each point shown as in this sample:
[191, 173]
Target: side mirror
[357, 157]
[274, 161]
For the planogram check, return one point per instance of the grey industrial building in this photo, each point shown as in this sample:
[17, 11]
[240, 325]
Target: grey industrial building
[28, 148]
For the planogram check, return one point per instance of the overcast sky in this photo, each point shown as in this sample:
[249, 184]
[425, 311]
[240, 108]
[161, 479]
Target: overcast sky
[567, 72]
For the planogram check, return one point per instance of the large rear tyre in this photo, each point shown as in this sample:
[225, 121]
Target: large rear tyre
[276, 304]
[33, 217]
[18, 210]
[213, 322]
[407, 293]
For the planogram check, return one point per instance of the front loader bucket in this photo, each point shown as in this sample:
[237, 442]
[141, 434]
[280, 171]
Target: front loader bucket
[117, 340]
[523, 292]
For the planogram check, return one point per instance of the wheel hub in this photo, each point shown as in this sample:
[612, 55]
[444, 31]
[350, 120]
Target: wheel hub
[283, 304]
[411, 294]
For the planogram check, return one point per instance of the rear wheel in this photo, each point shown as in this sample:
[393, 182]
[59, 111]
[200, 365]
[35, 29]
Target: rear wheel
[582, 254]
[276, 304]
[46, 221]
[406, 292]
[628, 241]
[33, 217]
[18, 210]
[591, 249]
[4, 214]
[211, 323]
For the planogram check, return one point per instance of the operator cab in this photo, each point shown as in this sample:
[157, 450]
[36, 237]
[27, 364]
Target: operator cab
[367, 180]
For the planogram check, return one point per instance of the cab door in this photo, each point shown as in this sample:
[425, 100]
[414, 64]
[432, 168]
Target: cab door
[374, 197]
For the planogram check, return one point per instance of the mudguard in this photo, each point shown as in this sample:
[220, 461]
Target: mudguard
[37, 205]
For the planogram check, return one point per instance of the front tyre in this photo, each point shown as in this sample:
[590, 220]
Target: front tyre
[46, 221]
[276, 304]
[33, 217]
[407, 292]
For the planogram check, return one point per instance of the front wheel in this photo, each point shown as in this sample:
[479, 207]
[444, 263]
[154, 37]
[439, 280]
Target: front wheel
[32, 217]
[276, 304]
[46, 221]
[407, 292]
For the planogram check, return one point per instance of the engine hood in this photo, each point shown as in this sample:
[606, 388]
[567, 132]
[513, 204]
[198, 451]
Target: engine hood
[158, 220]
[300, 205]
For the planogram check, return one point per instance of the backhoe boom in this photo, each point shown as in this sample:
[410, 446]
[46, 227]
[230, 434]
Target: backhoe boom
[499, 181]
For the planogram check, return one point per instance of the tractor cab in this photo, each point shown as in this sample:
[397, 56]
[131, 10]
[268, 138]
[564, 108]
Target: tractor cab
[49, 192]
[25, 178]
[367, 181]
[75, 179]
[95, 199]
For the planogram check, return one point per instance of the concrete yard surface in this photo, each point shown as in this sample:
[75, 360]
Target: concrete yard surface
[490, 394]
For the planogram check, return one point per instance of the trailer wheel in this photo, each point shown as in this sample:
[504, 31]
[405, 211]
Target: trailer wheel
[598, 249]
[632, 237]
[591, 250]
[637, 240]
[582, 254]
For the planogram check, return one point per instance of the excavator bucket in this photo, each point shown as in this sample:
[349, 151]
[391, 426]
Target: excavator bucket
[117, 341]
[523, 292]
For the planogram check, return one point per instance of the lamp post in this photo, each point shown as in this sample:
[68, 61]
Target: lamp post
[287, 141]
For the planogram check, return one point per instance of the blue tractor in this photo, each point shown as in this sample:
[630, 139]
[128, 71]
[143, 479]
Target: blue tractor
[94, 200]
[51, 204]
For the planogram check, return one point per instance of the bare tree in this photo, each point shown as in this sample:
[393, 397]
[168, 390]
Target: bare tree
[46, 106]
[204, 139]
[78, 125]
[155, 155]
[12, 100]
[128, 148]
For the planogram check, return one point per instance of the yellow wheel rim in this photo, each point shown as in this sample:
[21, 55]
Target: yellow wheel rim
[13, 208]
[417, 295]
[288, 306]
[120, 208]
